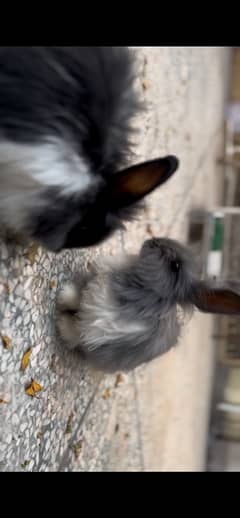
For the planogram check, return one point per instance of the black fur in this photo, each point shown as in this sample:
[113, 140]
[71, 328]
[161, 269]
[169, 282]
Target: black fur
[73, 92]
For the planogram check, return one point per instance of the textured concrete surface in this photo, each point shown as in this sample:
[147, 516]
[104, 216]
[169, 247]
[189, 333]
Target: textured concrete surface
[154, 418]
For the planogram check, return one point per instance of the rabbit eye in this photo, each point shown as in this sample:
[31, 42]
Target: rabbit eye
[175, 266]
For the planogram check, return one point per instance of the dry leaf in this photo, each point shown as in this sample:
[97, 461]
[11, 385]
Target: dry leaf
[52, 284]
[69, 424]
[106, 393]
[6, 342]
[6, 287]
[32, 252]
[33, 388]
[145, 84]
[26, 358]
[77, 448]
[3, 401]
[25, 464]
[149, 230]
[119, 379]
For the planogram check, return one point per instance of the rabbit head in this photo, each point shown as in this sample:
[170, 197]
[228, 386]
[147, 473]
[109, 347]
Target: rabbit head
[169, 269]
[101, 212]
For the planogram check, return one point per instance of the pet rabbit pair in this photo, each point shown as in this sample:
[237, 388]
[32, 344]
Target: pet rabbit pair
[65, 136]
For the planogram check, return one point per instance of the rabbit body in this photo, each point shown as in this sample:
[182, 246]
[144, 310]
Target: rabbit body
[127, 312]
[116, 317]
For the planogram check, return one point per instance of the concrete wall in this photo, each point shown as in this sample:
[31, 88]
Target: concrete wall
[156, 417]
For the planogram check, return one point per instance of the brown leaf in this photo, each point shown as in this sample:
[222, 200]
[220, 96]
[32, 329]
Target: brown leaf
[3, 401]
[145, 84]
[77, 448]
[69, 424]
[149, 230]
[33, 388]
[106, 394]
[6, 287]
[26, 358]
[119, 379]
[6, 342]
[32, 252]
[25, 464]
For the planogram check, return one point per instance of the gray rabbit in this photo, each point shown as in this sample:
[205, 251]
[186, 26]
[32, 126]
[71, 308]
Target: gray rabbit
[126, 313]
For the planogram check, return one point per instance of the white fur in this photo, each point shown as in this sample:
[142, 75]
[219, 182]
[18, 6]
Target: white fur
[68, 296]
[100, 317]
[51, 163]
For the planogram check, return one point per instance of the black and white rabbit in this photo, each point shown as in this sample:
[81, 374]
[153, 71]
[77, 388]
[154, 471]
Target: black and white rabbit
[124, 314]
[65, 136]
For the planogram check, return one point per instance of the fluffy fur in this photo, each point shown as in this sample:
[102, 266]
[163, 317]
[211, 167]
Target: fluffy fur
[65, 131]
[125, 314]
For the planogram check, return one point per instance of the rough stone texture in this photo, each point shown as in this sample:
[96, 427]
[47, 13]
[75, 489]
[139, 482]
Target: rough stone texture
[156, 418]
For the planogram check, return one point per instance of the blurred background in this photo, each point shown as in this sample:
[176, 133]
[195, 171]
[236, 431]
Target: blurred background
[224, 430]
[182, 411]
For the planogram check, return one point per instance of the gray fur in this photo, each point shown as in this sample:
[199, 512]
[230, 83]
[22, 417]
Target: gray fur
[128, 312]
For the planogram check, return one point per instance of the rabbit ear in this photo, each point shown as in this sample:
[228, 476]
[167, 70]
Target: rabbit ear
[132, 184]
[217, 300]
